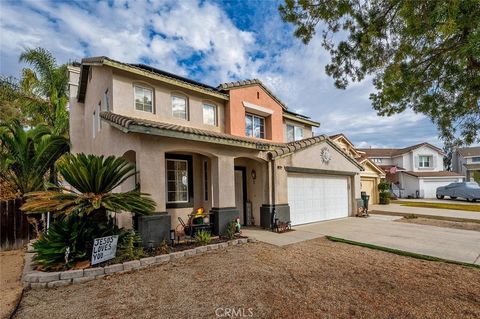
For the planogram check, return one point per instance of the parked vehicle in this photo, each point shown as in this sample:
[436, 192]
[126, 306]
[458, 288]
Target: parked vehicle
[468, 190]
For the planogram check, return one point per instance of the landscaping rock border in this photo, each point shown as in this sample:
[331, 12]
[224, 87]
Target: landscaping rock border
[40, 279]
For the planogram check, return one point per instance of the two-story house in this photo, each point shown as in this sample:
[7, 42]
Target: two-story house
[417, 170]
[466, 161]
[234, 150]
[371, 175]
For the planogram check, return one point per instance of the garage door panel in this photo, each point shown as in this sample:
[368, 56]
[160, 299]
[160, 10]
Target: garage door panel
[315, 198]
[430, 187]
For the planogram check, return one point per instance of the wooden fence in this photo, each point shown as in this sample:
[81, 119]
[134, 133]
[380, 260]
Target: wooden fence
[14, 227]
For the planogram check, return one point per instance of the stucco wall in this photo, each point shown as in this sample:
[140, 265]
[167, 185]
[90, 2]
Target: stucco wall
[409, 183]
[235, 112]
[427, 151]
[123, 88]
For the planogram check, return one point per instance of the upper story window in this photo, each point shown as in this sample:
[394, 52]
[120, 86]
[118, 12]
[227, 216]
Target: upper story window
[179, 107]
[254, 126]
[106, 101]
[377, 160]
[424, 161]
[143, 98]
[294, 133]
[209, 114]
[476, 159]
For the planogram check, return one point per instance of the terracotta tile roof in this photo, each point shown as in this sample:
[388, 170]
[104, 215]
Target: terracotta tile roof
[390, 152]
[469, 151]
[133, 124]
[387, 167]
[163, 75]
[433, 174]
[237, 84]
[296, 146]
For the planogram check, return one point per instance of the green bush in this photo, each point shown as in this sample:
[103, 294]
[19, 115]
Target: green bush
[384, 192]
[203, 237]
[69, 240]
[231, 229]
[129, 247]
[384, 198]
[410, 216]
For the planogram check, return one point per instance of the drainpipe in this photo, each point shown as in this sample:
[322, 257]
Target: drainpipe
[272, 163]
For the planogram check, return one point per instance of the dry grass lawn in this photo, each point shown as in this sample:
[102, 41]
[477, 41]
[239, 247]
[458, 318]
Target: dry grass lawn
[11, 266]
[313, 279]
[442, 223]
[466, 207]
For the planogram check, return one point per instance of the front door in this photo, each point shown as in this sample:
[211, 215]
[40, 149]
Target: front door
[240, 193]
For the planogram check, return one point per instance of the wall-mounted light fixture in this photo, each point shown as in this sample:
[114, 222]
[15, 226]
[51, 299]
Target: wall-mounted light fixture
[254, 175]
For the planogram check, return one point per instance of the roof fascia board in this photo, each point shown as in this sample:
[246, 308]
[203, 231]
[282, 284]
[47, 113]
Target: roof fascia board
[163, 79]
[304, 121]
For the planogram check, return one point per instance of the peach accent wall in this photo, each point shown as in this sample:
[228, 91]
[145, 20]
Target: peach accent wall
[235, 112]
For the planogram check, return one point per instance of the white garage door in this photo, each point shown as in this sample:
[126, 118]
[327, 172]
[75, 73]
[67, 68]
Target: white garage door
[314, 198]
[430, 187]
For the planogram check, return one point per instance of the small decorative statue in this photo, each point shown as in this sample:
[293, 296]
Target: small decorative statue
[238, 226]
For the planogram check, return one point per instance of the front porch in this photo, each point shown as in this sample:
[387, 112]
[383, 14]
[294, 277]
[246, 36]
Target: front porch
[181, 182]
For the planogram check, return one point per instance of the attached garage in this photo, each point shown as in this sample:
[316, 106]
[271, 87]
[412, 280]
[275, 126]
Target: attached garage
[314, 197]
[430, 186]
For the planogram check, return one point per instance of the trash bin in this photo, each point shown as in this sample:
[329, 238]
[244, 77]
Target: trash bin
[365, 199]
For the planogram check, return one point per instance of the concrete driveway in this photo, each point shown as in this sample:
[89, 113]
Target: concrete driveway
[446, 243]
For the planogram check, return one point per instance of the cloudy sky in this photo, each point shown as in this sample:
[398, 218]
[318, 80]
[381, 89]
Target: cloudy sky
[212, 42]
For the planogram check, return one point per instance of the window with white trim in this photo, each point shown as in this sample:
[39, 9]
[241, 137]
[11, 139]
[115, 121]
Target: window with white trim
[376, 160]
[143, 98]
[254, 126]
[179, 107]
[424, 161]
[294, 133]
[476, 159]
[106, 101]
[177, 181]
[209, 114]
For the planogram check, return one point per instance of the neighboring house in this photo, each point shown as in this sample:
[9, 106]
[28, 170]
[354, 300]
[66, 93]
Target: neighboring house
[466, 161]
[417, 170]
[371, 175]
[235, 150]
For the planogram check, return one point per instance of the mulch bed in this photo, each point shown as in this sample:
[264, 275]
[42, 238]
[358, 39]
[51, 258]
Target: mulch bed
[312, 279]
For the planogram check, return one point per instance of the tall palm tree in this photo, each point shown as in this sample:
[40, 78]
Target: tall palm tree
[48, 81]
[93, 179]
[26, 155]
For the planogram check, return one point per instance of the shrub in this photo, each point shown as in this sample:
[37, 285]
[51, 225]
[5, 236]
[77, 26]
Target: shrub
[384, 192]
[129, 247]
[69, 240]
[410, 216]
[231, 229]
[203, 237]
[384, 198]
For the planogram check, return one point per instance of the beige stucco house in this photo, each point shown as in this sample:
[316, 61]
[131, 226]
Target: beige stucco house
[235, 150]
[371, 175]
[466, 161]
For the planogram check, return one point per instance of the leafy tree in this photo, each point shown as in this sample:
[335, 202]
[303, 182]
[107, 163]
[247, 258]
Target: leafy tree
[27, 155]
[93, 179]
[423, 55]
[48, 82]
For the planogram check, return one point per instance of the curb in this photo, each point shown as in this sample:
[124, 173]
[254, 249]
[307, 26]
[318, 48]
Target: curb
[34, 279]
[447, 218]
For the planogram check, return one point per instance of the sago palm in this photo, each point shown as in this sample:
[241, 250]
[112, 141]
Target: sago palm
[93, 179]
[26, 155]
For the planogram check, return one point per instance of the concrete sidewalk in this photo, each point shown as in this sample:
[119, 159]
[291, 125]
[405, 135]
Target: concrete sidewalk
[446, 243]
[406, 210]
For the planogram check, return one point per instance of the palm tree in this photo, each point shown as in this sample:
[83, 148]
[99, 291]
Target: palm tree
[49, 82]
[27, 155]
[93, 179]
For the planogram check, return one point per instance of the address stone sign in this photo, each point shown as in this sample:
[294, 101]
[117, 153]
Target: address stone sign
[104, 248]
